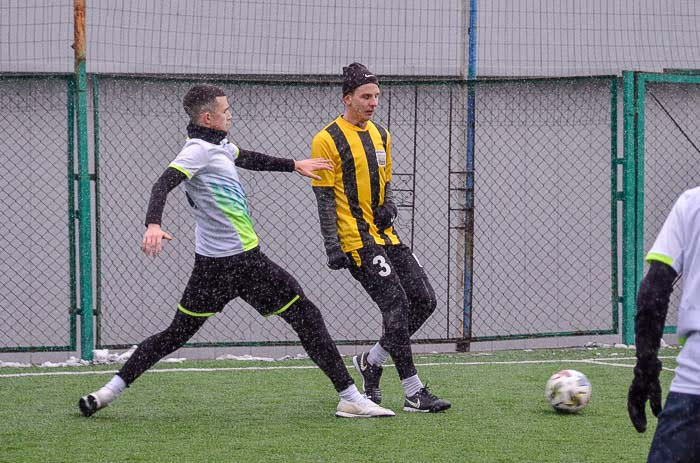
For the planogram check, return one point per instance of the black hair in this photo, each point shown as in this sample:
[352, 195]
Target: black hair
[200, 98]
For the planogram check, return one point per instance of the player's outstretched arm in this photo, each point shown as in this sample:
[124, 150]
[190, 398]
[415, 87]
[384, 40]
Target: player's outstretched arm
[307, 167]
[152, 243]
[252, 160]
[652, 306]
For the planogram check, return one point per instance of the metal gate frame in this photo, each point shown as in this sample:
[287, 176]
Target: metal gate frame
[634, 91]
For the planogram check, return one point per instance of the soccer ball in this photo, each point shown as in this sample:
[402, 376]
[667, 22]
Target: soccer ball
[568, 391]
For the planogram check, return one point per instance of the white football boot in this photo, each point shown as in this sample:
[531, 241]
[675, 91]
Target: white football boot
[363, 408]
[99, 399]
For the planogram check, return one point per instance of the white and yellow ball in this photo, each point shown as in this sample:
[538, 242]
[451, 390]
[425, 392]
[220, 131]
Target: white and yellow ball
[568, 390]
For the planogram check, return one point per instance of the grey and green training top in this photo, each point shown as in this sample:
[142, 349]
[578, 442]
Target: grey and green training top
[224, 226]
[207, 165]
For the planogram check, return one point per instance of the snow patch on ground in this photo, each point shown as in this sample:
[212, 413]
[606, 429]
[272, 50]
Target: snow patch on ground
[104, 357]
[622, 346]
[14, 365]
[594, 344]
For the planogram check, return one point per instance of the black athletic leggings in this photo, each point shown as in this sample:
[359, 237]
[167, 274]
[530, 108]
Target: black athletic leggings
[396, 282]
[303, 316]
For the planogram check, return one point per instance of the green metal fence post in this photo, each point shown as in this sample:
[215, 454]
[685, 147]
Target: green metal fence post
[98, 236]
[639, 90]
[615, 162]
[84, 234]
[629, 245]
[73, 298]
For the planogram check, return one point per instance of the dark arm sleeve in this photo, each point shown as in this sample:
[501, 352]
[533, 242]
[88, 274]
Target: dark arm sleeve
[652, 306]
[327, 216]
[252, 160]
[159, 193]
[389, 199]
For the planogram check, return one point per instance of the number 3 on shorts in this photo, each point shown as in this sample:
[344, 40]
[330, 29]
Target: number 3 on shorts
[385, 269]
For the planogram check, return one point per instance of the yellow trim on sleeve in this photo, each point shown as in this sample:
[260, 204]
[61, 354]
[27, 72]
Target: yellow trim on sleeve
[194, 314]
[286, 306]
[660, 257]
[181, 169]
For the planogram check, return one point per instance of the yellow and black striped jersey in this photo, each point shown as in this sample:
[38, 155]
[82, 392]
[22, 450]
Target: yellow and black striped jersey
[362, 167]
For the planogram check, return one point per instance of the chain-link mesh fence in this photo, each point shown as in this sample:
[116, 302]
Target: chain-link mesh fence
[671, 152]
[141, 129]
[542, 239]
[542, 245]
[37, 300]
[542, 248]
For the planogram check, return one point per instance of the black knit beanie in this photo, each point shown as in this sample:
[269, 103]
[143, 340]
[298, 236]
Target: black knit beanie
[356, 75]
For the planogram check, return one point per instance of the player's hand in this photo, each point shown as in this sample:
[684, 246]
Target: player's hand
[337, 260]
[384, 216]
[307, 167]
[152, 243]
[645, 386]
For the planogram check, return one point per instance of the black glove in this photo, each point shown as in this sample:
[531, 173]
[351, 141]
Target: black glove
[645, 386]
[384, 216]
[337, 259]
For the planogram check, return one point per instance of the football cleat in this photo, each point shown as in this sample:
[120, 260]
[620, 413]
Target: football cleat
[364, 408]
[424, 401]
[371, 374]
[98, 400]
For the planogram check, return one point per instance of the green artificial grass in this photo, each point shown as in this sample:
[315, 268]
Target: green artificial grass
[268, 412]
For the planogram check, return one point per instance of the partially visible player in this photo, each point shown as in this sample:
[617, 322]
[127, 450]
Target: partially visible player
[228, 260]
[676, 251]
[357, 211]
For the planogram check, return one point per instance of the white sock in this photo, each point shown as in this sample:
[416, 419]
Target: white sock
[377, 355]
[116, 385]
[411, 385]
[351, 394]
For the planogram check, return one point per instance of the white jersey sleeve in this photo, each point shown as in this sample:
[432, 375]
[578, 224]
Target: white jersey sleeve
[192, 158]
[669, 245]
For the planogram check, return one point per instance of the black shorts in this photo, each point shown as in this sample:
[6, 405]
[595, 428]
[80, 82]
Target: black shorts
[389, 273]
[215, 281]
